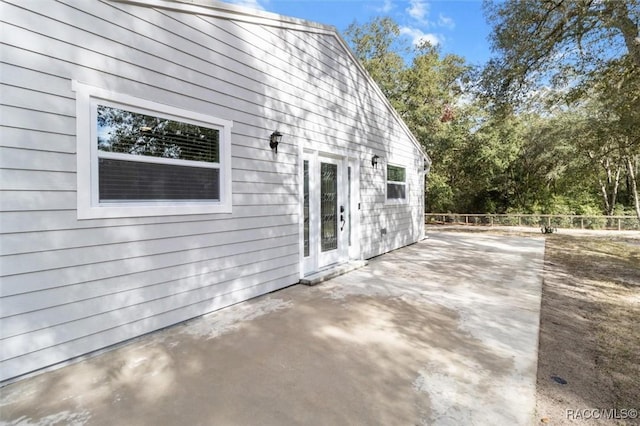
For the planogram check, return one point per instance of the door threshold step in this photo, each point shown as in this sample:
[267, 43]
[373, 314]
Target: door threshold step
[332, 272]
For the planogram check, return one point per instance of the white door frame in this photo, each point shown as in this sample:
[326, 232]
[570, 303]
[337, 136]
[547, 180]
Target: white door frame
[316, 259]
[308, 257]
[354, 209]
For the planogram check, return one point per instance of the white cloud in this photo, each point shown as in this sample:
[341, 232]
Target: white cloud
[386, 7]
[417, 36]
[418, 10]
[445, 21]
[252, 4]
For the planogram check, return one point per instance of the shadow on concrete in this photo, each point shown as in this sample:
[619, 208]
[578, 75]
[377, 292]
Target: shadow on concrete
[442, 331]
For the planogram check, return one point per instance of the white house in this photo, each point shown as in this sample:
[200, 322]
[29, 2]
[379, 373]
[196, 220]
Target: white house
[141, 181]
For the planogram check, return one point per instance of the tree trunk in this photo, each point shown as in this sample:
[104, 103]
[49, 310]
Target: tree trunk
[609, 188]
[621, 19]
[605, 196]
[614, 194]
[634, 186]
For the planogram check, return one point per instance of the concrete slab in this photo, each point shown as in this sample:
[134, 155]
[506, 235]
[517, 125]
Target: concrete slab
[444, 332]
[333, 272]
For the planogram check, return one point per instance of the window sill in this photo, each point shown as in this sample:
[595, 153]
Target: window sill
[124, 211]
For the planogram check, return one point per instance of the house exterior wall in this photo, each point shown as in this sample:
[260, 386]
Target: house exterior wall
[70, 286]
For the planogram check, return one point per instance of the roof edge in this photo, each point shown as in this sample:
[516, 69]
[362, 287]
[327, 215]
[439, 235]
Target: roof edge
[223, 10]
[385, 100]
[219, 9]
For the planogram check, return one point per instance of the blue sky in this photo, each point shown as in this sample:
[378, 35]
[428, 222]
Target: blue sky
[456, 26]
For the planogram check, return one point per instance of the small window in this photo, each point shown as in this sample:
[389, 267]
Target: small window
[396, 183]
[140, 158]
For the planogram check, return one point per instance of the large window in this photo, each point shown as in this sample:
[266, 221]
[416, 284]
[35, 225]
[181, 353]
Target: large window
[396, 183]
[145, 157]
[140, 158]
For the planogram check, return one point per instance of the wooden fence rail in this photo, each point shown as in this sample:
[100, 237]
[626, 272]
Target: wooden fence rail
[621, 223]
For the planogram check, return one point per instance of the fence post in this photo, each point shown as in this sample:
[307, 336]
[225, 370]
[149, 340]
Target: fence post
[549, 221]
[582, 223]
[619, 225]
[491, 220]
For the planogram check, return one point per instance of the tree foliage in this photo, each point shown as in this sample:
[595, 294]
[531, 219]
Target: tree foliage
[587, 53]
[561, 42]
[377, 46]
[422, 85]
[572, 148]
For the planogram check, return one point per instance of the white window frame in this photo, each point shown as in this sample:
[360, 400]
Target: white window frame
[388, 200]
[89, 206]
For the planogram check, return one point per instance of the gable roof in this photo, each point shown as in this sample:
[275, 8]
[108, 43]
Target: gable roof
[234, 12]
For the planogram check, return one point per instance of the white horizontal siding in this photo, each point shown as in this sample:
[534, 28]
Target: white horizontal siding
[36, 140]
[137, 274]
[136, 256]
[38, 81]
[20, 179]
[35, 100]
[178, 235]
[36, 180]
[32, 330]
[400, 221]
[42, 121]
[176, 280]
[36, 221]
[30, 159]
[69, 286]
[81, 345]
[36, 200]
[234, 101]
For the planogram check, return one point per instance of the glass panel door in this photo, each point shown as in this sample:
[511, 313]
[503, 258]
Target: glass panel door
[325, 215]
[328, 206]
[305, 208]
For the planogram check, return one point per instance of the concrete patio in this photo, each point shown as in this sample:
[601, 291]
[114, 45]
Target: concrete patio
[443, 332]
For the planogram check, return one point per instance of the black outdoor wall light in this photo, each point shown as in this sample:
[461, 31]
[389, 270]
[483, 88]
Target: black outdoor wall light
[374, 161]
[427, 166]
[274, 140]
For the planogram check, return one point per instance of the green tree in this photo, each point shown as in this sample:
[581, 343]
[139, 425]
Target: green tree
[616, 94]
[424, 87]
[378, 47]
[486, 162]
[588, 53]
[557, 41]
[570, 148]
[551, 174]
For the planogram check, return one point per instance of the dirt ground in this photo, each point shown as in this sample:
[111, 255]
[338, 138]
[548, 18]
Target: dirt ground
[590, 331]
[589, 348]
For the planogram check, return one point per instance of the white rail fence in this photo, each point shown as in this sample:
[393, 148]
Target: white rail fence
[621, 223]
